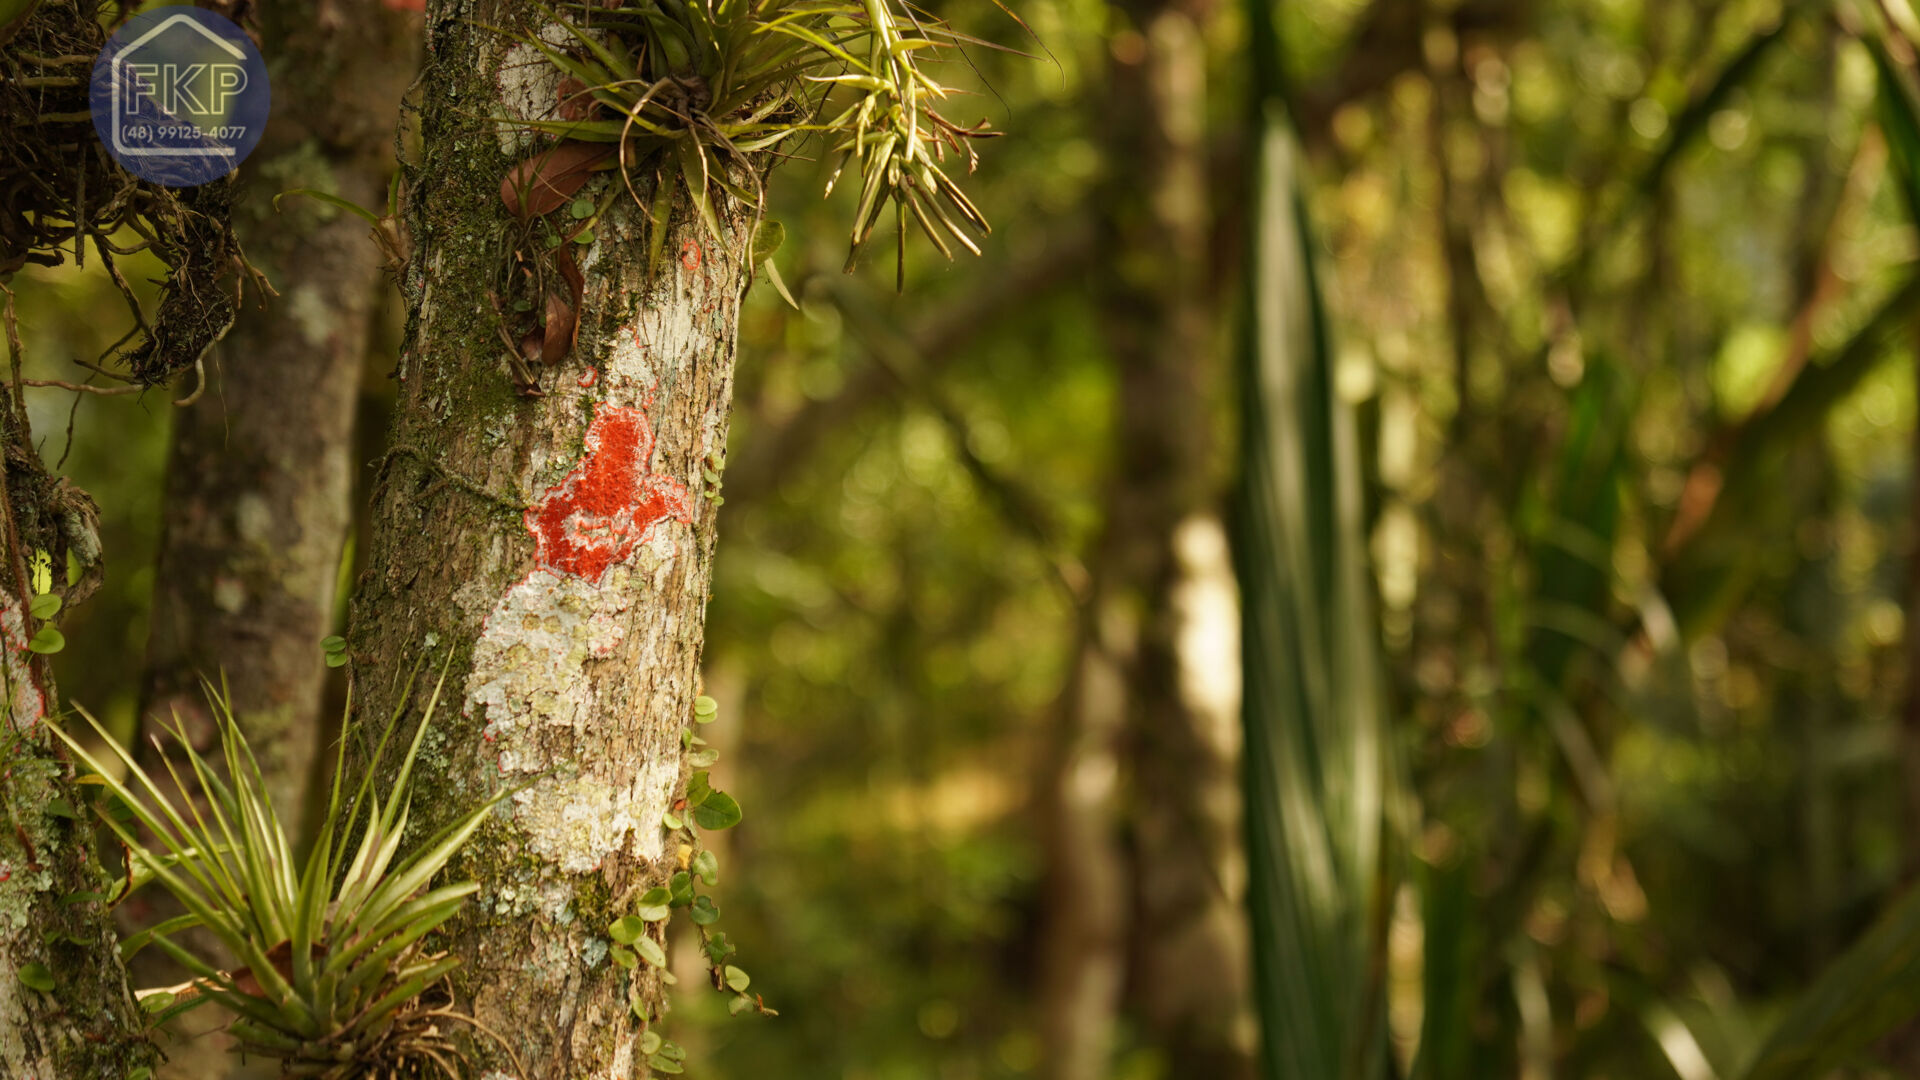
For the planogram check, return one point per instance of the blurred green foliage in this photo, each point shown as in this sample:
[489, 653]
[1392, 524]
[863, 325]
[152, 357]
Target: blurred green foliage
[1607, 286]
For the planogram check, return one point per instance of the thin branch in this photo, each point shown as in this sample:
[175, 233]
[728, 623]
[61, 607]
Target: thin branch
[770, 454]
[894, 355]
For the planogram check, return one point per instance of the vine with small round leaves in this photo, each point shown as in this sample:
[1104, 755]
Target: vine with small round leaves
[44, 605]
[701, 808]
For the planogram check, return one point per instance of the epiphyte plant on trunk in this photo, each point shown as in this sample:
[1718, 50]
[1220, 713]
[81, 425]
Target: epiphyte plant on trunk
[709, 86]
[336, 981]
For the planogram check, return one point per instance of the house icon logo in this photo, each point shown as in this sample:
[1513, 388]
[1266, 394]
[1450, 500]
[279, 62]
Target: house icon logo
[179, 96]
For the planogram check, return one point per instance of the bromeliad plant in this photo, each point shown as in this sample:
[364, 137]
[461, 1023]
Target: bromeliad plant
[335, 975]
[711, 86]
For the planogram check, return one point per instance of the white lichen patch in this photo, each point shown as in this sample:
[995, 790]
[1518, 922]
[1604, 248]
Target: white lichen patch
[576, 823]
[628, 356]
[529, 88]
[534, 689]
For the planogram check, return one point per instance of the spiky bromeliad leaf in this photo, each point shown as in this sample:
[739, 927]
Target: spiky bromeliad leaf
[333, 968]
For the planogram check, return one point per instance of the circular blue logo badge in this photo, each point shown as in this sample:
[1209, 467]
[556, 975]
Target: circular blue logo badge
[179, 96]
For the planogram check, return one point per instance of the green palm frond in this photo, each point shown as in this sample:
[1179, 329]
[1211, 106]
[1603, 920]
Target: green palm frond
[333, 968]
[1317, 757]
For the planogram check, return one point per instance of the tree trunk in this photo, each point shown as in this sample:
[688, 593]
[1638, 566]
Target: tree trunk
[1175, 930]
[260, 476]
[555, 551]
[1188, 942]
[1084, 893]
[65, 1009]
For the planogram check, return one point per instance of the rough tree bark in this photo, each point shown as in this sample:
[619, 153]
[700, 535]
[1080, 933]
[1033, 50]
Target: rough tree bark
[555, 549]
[260, 477]
[66, 1012]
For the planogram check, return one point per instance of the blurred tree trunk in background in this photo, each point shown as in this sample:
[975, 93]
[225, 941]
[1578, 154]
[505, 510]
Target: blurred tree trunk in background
[65, 1009]
[260, 477]
[1139, 901]
[259, 481]
[1084, 893]
[572, 626]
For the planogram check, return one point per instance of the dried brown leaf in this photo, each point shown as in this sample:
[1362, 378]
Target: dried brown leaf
[550, 178]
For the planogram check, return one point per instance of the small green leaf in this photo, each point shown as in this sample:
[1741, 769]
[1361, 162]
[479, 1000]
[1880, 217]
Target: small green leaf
[662, 1065]
[651, 952]
[704, 706]
[702, 759]
[626, 930]
[671, 820]
[45, 606]
[623, 956]
[333, 643]
[156, 1002]
[738, 980]
[718, 811]
[584, 236]
[36, 977]
[682, 889]
[698, 789]
[59, 807]
[703, 912]
[649, 1043]
[582, 209]
[524, 304]
[719, 948]
[673, 1051]
[707, 865]
[656, 895]
[740, 1003]
[553, 241]
[47, 640]
[654, 912]
[337, 659]
[767, 240]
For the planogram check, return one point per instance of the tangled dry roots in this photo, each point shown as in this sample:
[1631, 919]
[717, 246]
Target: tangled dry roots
[60, 194]
[418, 1044]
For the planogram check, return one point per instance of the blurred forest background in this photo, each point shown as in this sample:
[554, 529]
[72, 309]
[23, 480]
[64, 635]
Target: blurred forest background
[1399, 559]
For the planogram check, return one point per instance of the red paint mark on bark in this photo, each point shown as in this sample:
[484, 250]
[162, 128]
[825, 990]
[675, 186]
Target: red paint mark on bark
[595, 517]
[589, 377]
[690, 256]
